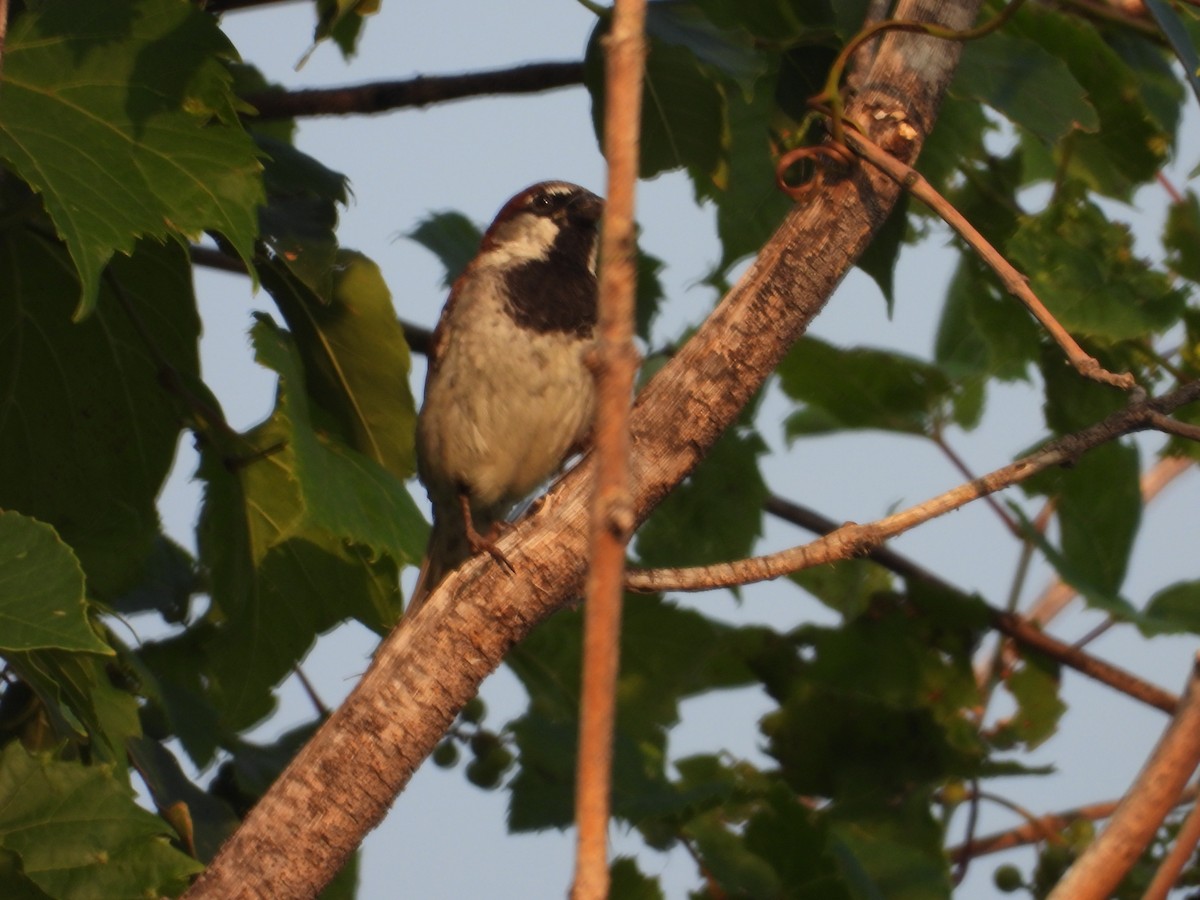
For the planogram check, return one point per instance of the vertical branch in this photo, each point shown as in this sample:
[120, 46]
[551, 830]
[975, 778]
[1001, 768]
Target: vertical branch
[1156, 791]
[3, 30]
[612, 510]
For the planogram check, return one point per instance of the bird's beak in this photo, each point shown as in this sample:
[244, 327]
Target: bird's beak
[585, 209]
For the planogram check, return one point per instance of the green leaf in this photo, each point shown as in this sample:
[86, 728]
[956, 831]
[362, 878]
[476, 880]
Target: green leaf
[145, 139]
[93, 458]
[1026, 84]
[1177, 36]
[727, 51]
[210, 820]
[626, 882]
[1082, 266]
[342, 491]
[847, 586]
[860, 388]
[790, 835]
[1035, 688]
[298, 536]
[1095, 597]
[984, 332]
[300, 217]
[342, 20]
[728, 861]
[1099, 526]
[355, 358]
[1181, 237]
[177, 685]
[668, 654]
[279, 579]
[869, 711]
[78, 832]
[168, 583]
[683, 108]
[452, 238]
[896, 850]
[749, 204]
[879, 259]
[715, 515]
[1130, 145]
[82, 698]
[42, 598]
[1173, 609]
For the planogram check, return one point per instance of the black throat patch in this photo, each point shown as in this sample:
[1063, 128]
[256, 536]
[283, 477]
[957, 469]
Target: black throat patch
[558, 293]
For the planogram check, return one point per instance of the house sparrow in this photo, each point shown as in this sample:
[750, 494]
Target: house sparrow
[508, 396]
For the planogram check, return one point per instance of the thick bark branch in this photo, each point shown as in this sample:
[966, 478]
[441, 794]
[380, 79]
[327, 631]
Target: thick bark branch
[1096, 874]
[343, 782]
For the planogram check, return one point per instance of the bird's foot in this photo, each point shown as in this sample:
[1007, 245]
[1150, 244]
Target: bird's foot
[481, 544]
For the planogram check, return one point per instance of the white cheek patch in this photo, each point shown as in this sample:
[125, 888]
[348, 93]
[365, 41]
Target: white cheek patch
[524, 237]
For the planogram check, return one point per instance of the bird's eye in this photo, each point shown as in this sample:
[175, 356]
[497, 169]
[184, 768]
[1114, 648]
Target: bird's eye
[543, 203]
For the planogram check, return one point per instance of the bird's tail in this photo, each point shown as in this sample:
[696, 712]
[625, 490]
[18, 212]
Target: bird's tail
[447, 548]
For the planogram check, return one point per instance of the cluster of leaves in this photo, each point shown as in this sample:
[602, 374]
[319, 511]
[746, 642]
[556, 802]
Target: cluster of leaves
[306, 520]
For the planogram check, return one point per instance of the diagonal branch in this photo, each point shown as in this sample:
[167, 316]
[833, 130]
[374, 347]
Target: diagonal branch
[1010, 625]
[857, 540]
[341, 784]
[1154, 793]
[1016, 283]
[381, 96]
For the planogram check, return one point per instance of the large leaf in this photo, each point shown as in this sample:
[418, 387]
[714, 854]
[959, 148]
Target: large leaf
[860, 388]
[300, 216]
[83, 699]
[1130, 145]
[749, 204]
[342, 491]
[79, 833]
[683, 108]
[355, 358]
[144, 140]
[87, 429]
[716, 514]
[1027, 84]
[1083, 268]
[42, 601]
[298, 537]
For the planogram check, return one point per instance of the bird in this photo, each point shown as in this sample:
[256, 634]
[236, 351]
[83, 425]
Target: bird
[509, 395]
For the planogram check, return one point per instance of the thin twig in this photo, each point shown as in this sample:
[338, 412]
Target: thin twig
[1016, 283]
[1032, 832]
[1154, 793]
[612, 506]
[959, 463]
[1007, 623]
[852, 539]
[381, 96]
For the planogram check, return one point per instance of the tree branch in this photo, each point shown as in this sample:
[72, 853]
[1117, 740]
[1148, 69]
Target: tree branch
[1034, 831]
[1016, 283]
[342, 782]
[1154, 793]
[381, 96]
[853, 540]
[616, 364]
[1009, 624]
